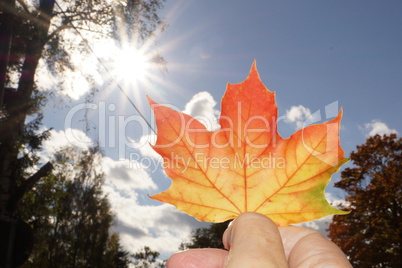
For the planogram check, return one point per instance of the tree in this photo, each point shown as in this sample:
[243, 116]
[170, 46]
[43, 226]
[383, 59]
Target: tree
[116, 256]
[371, 235]
[147, 258]
[32, 30]
[210, 237]
[72, 216]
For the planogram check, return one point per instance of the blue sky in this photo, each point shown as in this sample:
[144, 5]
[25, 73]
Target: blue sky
[311, 53]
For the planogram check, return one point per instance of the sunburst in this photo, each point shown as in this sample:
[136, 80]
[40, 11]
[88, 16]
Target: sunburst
[131, 65]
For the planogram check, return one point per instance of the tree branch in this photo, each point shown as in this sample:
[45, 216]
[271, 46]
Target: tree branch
[24, 6]
[28, 184]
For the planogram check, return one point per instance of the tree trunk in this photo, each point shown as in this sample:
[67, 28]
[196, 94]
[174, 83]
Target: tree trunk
[6, 32]
[17, 109]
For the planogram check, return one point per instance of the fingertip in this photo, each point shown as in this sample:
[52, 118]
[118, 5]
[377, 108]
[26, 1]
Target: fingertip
[254, 241]
[175, 260]
[249, 219]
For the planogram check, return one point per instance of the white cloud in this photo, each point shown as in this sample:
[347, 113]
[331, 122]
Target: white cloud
[161, 227]
[68, 137]
[320, 225]
[378, 127]
[126, 175]
[297, 115]
[61, 139]
[336, 202]
[144, 146]
[201, 106]
[138, 221]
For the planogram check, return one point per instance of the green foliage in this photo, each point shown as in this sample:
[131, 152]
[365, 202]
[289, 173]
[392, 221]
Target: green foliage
[371, 235]
[71, 216]
[210, 237]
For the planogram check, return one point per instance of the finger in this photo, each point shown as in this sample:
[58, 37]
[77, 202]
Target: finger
[198, 258]
[308, 248]
[254, 241]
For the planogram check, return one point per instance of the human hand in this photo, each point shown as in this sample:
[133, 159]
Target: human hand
[253, 240]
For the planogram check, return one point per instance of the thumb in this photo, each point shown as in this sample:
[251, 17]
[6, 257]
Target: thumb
[254, 241]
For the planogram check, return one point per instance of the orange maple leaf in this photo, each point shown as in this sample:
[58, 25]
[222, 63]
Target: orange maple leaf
[246, 165]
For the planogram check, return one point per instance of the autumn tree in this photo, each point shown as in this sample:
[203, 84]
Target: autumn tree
[371, 235]
[71, 216]
[34, 33]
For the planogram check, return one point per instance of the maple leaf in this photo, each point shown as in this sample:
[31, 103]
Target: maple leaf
[246, 165]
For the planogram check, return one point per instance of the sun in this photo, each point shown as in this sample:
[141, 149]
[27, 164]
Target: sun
[125, 63]
[131, 65]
